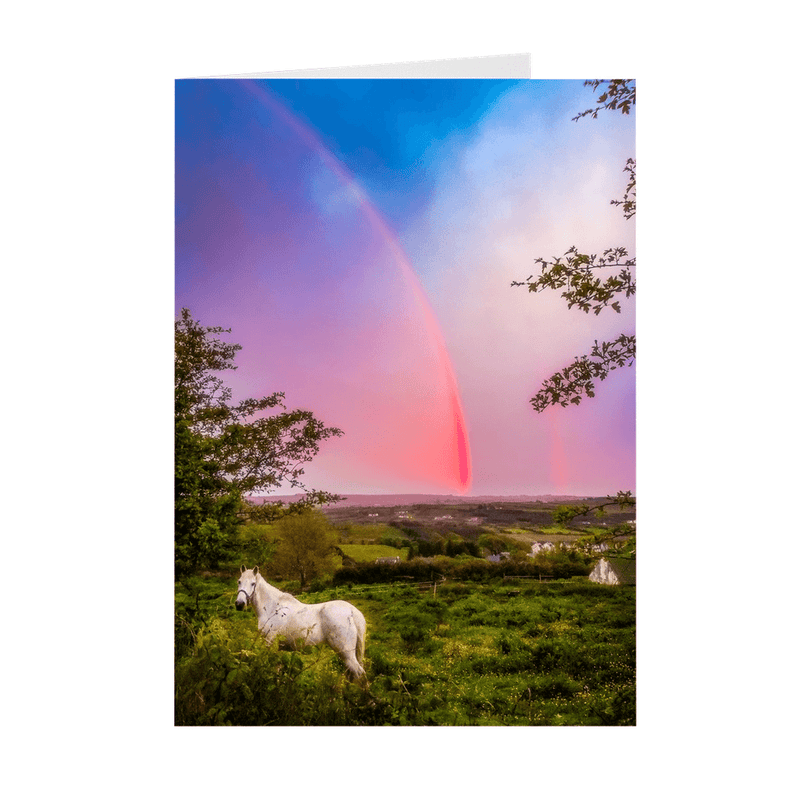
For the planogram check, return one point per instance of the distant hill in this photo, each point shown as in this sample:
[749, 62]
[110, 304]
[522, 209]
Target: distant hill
[367, 500]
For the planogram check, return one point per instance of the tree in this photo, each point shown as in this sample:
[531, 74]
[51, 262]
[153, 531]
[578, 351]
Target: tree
[575, 273]
[494, 544]
[226, 451]
[306, 548]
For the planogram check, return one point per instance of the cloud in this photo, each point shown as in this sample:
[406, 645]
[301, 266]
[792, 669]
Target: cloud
[526, 185]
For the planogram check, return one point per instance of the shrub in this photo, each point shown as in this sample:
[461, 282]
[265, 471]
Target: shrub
[417, 569]
[562, 562]
[478, 570]
[233, 678]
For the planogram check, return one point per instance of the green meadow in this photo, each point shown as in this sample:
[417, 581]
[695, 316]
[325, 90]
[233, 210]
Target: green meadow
[497, 652]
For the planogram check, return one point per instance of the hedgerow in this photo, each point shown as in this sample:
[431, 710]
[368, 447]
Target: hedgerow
[553, 564]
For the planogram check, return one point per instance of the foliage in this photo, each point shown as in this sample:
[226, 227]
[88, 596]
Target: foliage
[234, 678]
[206, 508]
[460, 569]
[306, 547]
[451, 546]
[370, 572]
[583, 289]
[394, 540]
[620, 94]
[561, 562]
[455, 546]
[256, 543]
[564, 514]
[628, 202]
[226, 450]
[620, 538]
[574, 272]
[620, 541]
[577, 379]
[493, 544]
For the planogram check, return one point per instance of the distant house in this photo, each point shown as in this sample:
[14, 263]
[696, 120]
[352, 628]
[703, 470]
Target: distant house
[388, 560]
[615, 572]
[496, 558]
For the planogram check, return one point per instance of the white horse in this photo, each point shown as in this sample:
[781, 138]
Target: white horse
[336, 623]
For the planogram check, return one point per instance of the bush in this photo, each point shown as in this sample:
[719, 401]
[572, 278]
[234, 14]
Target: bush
[477, 570]
[233, 678]
[563, 562]
[417, 569]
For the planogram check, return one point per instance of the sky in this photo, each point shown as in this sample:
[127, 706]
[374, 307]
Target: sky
[360, 238]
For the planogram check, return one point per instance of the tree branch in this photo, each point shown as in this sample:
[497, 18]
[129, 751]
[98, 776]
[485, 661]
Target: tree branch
[628, 202]
[620, 94]
[576, 380]
[563, 515]
[584, 289]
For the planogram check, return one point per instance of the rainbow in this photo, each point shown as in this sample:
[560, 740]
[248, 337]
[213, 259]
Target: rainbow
[457, 464]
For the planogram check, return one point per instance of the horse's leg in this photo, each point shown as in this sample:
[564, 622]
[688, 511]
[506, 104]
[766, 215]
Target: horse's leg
[354, 670]
[356, 660]
[348, 645]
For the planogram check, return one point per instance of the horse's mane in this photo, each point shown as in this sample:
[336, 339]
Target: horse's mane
[281, 596]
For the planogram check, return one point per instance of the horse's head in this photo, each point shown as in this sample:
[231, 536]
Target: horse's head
[247, 587]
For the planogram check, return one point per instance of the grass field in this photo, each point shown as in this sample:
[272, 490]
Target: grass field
[369, 552]
[557, 653]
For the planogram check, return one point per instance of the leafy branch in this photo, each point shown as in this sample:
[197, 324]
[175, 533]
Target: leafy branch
[564, 515]
[621, 537]
[621, 540]
[583, 288]
[577, 379]
[575, 274]
[628, 202]
[272, 511]
[619, 94]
